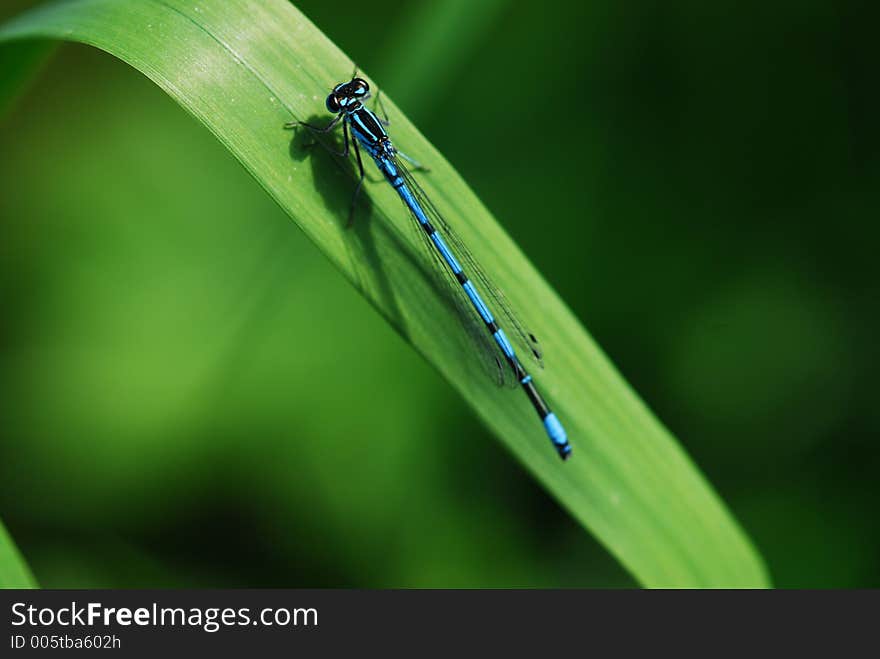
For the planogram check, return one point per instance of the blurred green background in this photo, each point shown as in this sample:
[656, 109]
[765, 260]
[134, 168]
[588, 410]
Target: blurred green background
[698, 180]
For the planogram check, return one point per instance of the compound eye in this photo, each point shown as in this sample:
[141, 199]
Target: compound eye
[359, 87]
[333, 104]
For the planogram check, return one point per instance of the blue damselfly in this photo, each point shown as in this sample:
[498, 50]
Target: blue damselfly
[346, 101]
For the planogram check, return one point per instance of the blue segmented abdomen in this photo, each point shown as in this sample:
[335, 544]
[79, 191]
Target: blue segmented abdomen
[552, 425]
[447, 255]
[477, 301]
[411, 202]
[504, 344]
[555, 431]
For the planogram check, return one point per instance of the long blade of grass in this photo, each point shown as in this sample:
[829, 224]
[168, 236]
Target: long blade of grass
[244, 68]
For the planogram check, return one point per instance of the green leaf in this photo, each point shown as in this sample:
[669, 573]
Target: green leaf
[243, 69]
[14, 572]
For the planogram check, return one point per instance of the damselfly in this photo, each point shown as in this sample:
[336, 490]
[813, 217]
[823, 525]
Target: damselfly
[346, 101]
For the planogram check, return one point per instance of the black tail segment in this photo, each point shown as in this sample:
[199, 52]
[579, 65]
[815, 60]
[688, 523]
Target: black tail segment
[554, 428]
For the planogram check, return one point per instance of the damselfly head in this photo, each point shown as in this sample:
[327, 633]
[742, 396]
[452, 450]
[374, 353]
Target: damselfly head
[358, 87]
[347, 93]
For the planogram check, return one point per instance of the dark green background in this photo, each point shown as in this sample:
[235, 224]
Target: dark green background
[698, 180]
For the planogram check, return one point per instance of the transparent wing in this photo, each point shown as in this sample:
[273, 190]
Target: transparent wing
[481, 346]
[524, 340]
